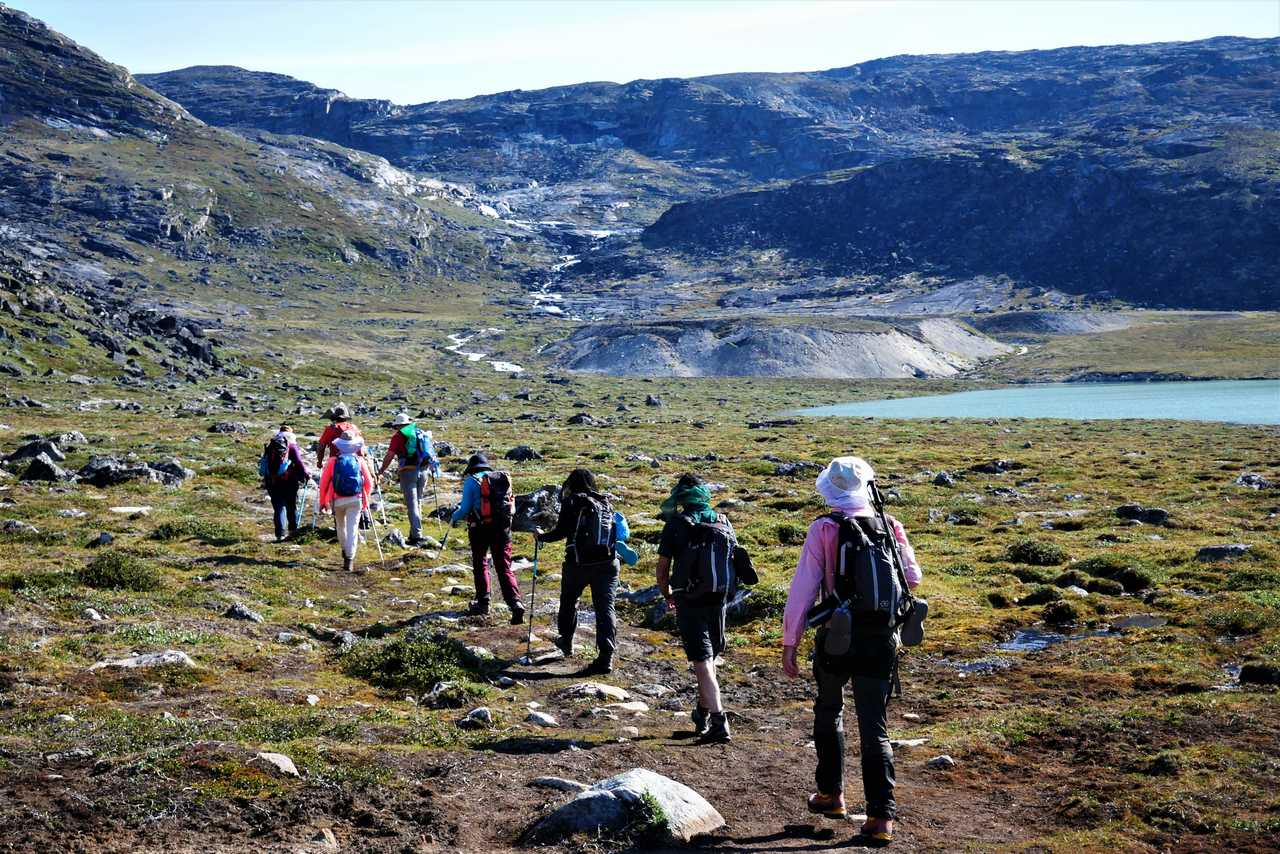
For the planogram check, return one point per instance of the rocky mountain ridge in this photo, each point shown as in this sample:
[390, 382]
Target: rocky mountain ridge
[1066, 170]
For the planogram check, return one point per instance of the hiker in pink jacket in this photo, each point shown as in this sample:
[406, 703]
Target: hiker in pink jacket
[351, 464]
[872, 650]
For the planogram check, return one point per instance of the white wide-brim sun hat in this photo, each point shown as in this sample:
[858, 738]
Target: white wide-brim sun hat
[845, 480]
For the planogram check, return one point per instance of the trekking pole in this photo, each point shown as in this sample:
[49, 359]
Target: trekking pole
[382, 503]
[377, 539]
[445, 543]
[533, 601]
[315, 510]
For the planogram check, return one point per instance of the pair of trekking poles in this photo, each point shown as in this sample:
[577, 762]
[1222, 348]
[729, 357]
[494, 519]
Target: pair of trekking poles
[373, 525]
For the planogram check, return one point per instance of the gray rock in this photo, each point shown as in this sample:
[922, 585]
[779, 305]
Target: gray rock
[69, 439]
[542, 719]
[103, 539]
[394, 538]
[278, 761]
[944, 478]
[92, 615]
[653, 400]
[591, 691]
[43, 468]
[608, 806]
[1145, 515]
[1253, 480]
[940, 763]
[17, 526]
[481, 718]
[1229, 551]
[32, 450]
[172, 471]
[522, 454]
[229, 428]
[1259, 673]
[583, 419]
[652, 689]
[559, 784]
[237, 611]
[170, 657]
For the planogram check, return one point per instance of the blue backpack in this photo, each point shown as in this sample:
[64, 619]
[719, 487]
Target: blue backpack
[417, 445]
[348, 475]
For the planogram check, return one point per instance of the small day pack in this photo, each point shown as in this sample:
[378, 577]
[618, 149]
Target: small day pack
[706, 564]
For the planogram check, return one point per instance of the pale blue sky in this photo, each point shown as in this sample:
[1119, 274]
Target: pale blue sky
[419, 51]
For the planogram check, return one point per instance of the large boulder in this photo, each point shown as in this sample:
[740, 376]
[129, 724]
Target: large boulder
[168, 658]
[522, 454]
[39, 447]
[172, 471]
[615, 805]
[104, 471]
[537, 509]
[43, 468]
[1229, 551]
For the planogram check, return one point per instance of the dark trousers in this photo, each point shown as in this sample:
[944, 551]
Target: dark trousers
[487, 541]
[602, 578]
[284, 507]
[868, 671]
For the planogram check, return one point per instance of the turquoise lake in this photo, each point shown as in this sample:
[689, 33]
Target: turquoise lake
[1236, 401]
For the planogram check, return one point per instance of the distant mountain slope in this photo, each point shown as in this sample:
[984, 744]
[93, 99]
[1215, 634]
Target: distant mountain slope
[765, 126]
[1147, 173]
[118, 208]
[1199, 232]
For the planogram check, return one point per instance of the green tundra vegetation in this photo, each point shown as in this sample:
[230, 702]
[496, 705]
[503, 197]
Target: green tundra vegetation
[1133, 734]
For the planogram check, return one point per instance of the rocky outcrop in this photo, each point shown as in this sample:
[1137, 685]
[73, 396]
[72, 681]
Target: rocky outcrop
[932, 348]
[1076, 218]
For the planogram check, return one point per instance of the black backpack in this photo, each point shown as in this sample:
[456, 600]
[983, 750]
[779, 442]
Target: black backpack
[277, 459]
[866, 574]
[706, 564]
[497, 505]
[594, 535]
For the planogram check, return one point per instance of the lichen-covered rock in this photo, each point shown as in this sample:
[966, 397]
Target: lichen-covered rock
[609, 807]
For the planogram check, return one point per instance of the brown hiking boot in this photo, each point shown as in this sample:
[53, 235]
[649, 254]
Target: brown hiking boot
[829, 806]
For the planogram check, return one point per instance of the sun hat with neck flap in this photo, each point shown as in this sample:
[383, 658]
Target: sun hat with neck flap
[843, 484]
[402, 419]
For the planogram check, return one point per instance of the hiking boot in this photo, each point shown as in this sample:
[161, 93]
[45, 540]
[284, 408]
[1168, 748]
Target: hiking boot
[829, 806]
[413, 541]
[717, 729]
[700, 718]
[600, 667]
[479, 608]
[348, 564]
[517, 614]
[565, 645]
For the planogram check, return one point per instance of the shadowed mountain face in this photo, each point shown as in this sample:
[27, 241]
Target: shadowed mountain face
[763, 125]
[1147, 173]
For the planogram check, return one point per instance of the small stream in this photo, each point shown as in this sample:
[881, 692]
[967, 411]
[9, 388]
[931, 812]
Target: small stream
[460, 341]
